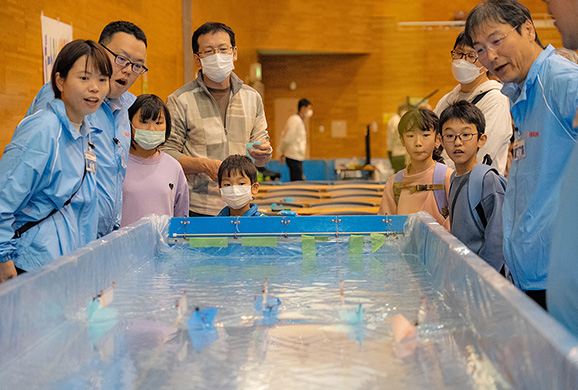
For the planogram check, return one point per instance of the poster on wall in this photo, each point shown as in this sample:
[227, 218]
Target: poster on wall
[55, 35]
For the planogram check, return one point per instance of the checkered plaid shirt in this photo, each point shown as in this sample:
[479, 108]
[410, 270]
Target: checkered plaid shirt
[198, 131]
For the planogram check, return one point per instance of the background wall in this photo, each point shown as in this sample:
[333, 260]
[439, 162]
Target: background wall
[350, 58]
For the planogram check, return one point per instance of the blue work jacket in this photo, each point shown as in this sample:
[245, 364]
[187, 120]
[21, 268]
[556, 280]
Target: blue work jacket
[543, 108]
[112, 149]
[40, 170]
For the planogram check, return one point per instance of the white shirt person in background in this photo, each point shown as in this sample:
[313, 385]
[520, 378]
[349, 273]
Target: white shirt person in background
[475, 87]
[294, 140]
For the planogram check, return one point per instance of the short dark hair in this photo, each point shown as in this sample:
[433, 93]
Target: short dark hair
[303, 103]
[151, 107]
[421, 119]
[237, 163]
[418, 118]
[463, 40]
[499, 11]
[211, 28]
[71, 52]
[121, 26]
[467, 113]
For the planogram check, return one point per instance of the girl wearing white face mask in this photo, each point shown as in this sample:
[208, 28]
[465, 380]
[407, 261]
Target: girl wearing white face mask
[155, 182]
[475, 87]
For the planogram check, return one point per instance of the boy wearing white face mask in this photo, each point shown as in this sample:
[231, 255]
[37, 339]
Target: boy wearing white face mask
[155, 182]
[475, 87]
[237, 184]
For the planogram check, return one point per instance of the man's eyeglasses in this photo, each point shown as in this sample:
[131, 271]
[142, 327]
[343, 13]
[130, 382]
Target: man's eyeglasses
[210, 52]
[458, 55]
[465, 137]
[122, 61]
[482, 51]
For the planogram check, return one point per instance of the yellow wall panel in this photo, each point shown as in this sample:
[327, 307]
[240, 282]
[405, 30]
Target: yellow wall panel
[371, 64]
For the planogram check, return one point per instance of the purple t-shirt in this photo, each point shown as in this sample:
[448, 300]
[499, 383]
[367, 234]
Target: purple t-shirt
[155, 185]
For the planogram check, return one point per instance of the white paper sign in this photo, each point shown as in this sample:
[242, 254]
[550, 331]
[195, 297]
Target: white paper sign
[338, 129]
[55, 35]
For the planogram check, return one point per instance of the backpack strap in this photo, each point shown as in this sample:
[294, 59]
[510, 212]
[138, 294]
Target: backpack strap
[475, 192]
[480, 96]
[398, 185]
[439, 190]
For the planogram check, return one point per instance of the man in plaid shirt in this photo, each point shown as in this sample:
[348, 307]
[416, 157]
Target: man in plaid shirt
[214, 117]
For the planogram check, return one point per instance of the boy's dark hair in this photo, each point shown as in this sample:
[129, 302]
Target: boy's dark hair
[121, 26]
[463, 40]
[151, 107]
[421, 119]
[71, 52]
[211, 28]
[303, 103]
[467, 113]
[236, 163]
[499, 11]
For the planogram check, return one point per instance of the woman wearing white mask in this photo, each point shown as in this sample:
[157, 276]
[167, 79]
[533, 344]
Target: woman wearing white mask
[475, 87]
[155, 182]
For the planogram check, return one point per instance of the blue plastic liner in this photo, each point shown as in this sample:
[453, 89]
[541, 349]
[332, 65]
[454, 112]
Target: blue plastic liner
[524, 343]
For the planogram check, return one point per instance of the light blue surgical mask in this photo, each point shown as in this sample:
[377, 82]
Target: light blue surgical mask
[148, 139]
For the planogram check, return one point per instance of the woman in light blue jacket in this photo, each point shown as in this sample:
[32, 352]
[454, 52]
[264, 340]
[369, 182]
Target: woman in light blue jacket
[48, 171]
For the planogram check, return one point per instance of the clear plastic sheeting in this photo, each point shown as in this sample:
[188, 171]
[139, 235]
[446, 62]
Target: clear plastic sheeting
[525, 344]
[118, 314]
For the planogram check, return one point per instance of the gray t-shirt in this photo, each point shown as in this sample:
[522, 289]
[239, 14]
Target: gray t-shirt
[487, 243]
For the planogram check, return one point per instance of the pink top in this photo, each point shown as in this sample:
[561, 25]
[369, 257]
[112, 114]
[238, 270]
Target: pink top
[155, 185]
[418, 201]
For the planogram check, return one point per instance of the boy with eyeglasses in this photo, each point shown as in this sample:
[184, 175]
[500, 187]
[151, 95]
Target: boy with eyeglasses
[477, 190]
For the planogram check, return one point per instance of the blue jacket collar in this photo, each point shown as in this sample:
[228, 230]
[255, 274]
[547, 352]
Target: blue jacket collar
[59, 109]
[252, 212]
[517, 92]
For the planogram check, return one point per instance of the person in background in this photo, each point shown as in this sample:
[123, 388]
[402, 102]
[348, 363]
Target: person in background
[48, 171]
[425, 183]
[479, 225]
[155, 182]
[543, 90]
[475, 87]
[126, 46]
[238, 184]
[395, 150]
[214, 116]
[294, 140]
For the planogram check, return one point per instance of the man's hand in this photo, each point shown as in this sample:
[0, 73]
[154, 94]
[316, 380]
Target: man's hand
[211, 168]
[261, 153]
[194, 165]
[7, 271]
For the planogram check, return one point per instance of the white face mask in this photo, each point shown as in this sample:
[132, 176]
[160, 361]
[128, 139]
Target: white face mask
[218, 66]
[148, 139]
[465, 72]
[236, 196]
[309, 114]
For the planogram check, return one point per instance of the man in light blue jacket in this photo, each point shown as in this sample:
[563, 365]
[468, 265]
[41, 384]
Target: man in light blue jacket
[543, 90]
[563, 273]
[126, 44]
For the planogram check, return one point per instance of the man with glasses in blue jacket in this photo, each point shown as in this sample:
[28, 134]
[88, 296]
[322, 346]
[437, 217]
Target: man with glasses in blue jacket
[543, 91]
[126, 44]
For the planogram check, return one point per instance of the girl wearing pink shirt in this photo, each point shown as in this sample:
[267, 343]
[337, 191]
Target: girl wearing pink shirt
[155, 182]
[425, 183]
